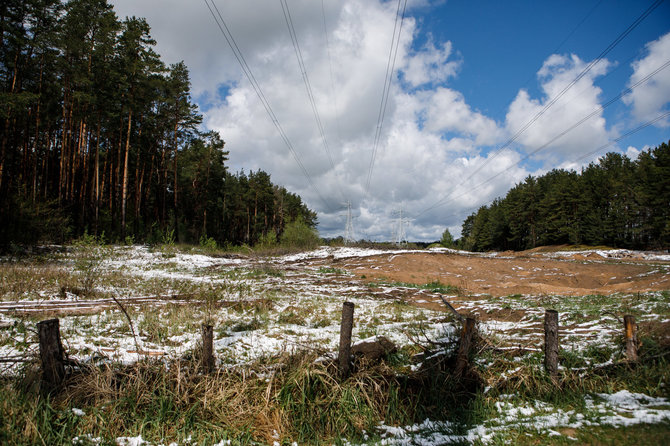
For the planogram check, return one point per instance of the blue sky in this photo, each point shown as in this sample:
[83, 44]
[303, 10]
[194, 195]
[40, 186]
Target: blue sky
[504, 44]
[468, 75]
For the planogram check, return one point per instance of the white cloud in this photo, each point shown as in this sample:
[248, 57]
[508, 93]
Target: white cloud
[632, 152]
[431, 141]
[447, 111]
[650, 99]
[582, 99]
[430, 65]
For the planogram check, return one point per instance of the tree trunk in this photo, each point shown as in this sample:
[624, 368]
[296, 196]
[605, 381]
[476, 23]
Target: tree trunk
[176, 216]
[97, 177]
[124, 190]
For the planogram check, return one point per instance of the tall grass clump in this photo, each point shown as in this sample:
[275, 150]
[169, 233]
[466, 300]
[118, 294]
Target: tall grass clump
[288, 398]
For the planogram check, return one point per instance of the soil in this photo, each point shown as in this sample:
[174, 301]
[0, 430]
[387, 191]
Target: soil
[528, 272]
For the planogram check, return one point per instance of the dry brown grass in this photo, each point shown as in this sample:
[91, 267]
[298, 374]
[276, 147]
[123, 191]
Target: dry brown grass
[294, 397]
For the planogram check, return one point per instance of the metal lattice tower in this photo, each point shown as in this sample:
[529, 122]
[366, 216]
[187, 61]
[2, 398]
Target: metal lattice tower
[400, 236]
[349, 231]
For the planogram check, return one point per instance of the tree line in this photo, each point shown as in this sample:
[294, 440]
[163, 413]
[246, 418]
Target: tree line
[615, 202]
[99, 135]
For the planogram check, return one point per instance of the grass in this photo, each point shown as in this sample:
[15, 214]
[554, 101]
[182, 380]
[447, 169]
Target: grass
[295, 397]
[330, 270]
[651, 434]
[434, 286]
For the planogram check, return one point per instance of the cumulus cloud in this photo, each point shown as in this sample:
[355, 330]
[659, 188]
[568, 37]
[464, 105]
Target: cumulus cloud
[651, 99]
[582, 99]
[447, 111]
[432, 140]
[632, 152]
[430, 65]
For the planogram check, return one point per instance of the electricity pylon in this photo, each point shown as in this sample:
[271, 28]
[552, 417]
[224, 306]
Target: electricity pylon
[349, 231]
[400, 238]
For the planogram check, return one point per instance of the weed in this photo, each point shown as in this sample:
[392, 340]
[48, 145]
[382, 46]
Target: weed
[435, 286]
[91, 252]
[254, 324]
[321, 322]
[291, 317]
[265, 270]
[330, 270]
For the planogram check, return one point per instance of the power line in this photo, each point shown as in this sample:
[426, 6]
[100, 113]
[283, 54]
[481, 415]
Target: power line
[581, 75]
[390, 65]
[308, 86]
[223, 27]
[560, 45]
[330, 66]
[625, 135]
[547, 106]
[305, 78]
[598, 110]
[593, 152]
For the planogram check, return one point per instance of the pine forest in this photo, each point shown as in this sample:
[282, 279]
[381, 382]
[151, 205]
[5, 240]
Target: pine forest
[616, 202]
[99, 136]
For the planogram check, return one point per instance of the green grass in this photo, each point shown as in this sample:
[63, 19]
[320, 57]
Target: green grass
[435, 286]
[302, 401]
[641, 434]
[330, 270]
[305, 401]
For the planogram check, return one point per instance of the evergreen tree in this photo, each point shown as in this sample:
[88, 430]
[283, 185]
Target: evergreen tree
[93, 126]
[616, 202]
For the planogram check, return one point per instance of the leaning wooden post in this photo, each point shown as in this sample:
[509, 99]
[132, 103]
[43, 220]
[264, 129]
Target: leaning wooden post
[345, 338]
[551, 343]
[207, 348]
[631, 337]
[51, 353]
[467, 333]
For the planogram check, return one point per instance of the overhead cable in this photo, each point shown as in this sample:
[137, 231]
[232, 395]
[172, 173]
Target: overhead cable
[547, 106]
[308, 85]
[223, 27]
[597, 111]
[629, 133]
[390, 65]
[305, 78]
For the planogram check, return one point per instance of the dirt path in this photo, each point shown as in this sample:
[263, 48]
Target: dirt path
[521, 273]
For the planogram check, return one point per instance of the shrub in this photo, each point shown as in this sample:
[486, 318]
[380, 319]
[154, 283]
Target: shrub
[268, 240]
[91, 252]
[299, 235]
[208, 243]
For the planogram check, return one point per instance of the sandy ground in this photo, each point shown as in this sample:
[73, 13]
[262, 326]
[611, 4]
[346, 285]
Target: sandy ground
[516, 273]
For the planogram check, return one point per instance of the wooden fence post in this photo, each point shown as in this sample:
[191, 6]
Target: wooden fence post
[464, 346]
[52, 354]
[551, 343]
[207, 348]
[345, 338]
[631, 337]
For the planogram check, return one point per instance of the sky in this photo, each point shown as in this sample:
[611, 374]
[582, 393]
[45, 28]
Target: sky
[482, 94]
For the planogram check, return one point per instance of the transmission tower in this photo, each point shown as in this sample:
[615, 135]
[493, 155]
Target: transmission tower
[349, 231]
[400, 238]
